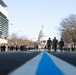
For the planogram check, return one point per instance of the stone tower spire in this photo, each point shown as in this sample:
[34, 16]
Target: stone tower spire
[42, 27]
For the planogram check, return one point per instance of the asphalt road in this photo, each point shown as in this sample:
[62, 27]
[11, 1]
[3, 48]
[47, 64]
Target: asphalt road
[9, 61]
[69, 57]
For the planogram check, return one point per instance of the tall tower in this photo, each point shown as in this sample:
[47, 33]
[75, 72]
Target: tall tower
[3, 23]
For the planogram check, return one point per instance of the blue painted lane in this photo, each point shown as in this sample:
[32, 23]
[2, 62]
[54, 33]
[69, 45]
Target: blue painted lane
[47, 67]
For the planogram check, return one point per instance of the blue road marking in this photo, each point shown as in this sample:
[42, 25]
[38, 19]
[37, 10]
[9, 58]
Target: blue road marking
[47, 67]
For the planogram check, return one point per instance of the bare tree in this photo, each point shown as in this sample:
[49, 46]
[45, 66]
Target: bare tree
[68, 29]
[16, 40]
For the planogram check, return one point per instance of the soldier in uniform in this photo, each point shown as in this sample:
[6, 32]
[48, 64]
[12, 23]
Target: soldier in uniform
[61, 44]
[49, 44]
[55, 42]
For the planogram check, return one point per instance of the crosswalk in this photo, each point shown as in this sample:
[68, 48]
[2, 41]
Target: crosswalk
[45, 64]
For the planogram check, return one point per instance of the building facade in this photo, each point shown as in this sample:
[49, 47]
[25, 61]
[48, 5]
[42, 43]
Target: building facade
[3, 23]
[42, 38]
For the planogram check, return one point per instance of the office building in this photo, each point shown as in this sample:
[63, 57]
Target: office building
[3, 23]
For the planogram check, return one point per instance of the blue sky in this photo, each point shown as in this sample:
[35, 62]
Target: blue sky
[28, 16]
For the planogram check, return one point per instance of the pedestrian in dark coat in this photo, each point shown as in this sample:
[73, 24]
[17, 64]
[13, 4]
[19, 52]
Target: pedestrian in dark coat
[61, 44]
[1, 47]
[4, 47]
[55, 42]
[21, 47]
[16, 47]
[49, 44]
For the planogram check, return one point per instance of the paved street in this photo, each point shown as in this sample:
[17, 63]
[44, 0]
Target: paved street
[9, 61]
[69, 57]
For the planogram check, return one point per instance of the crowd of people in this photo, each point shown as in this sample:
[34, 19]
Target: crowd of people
[13, 47]
[2, 47]
[54, 44]
[51, 44]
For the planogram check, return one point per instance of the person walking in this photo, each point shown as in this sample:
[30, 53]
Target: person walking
[1, 47]
[55, 42]
[61, 44]
[49, 44]
[4, 47]
[16, 47]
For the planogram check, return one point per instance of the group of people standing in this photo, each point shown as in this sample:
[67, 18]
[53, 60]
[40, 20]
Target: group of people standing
[2, 47]
[54, 43]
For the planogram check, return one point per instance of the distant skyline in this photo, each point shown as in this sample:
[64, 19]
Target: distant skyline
[28, 16]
